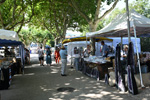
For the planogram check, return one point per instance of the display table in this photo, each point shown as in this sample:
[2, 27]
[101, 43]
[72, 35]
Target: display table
[96, 67]
[5, 75]
[18, 65]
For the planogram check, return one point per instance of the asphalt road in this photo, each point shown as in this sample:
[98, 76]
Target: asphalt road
[42, 83]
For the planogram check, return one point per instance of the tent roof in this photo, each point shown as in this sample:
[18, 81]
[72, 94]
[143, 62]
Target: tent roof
[84, 39]
[8, 35]
[4, 42]
[118, 27]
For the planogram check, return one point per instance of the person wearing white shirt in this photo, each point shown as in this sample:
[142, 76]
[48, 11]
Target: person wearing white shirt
[76, 58]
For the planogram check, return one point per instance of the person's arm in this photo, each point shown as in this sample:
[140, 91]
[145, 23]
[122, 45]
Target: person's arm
[106, 49]
[55, 53]
[66, 53]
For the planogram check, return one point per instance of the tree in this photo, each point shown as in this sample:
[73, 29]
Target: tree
[56, 16]
[142, 7]
[2, 1]
[35, 35]
[92, 13]
[16, 13]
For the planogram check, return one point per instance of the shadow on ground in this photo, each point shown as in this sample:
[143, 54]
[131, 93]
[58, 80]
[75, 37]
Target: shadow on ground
[42, 83]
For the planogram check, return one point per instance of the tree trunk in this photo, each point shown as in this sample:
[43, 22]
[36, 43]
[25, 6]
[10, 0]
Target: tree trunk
[56, 41]
[44, 43]
[93, 27]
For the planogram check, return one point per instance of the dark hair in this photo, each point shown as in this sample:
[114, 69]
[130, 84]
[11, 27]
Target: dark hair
[41, 47]
[102, 42]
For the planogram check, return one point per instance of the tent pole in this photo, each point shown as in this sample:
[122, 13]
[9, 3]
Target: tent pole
[128, 22]
[71, 54]
[142, 85]
[86, 41]
[121, 43]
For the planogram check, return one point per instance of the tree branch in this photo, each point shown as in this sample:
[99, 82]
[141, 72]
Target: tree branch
[49, 30]
[97, 9]
[21, 25]
[31, 15]
[108, 11]
[2, 1]
[1, 20]
[14, 9]
[73, 4]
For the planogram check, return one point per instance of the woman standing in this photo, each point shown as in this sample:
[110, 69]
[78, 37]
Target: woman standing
[48, 57]
[57, 55]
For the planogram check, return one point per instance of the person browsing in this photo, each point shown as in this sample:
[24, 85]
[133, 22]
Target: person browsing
[104, 49]
[63, 55]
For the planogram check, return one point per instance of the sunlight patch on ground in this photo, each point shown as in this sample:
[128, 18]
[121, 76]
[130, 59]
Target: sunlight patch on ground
[67, 83]
[144, 99]
[105, 93]
[24, 74]
[55, 99]
[77, 78]
[92, 95]
[44, 89]
[32, 66]
[117, 98]
[30, 74]
[18, 75]
[54, 71]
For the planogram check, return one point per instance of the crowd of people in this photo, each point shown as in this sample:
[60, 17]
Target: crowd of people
[48, 56]
[61, 54]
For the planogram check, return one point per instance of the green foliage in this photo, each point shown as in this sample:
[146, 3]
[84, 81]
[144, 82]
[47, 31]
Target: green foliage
[142, 7]
[34, 35]
[51, 18]
[145, 41]
[114, 13]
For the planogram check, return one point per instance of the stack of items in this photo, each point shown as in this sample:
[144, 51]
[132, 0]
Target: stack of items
[145, 56]
[96, 59]
[145, 62]
[5, 75]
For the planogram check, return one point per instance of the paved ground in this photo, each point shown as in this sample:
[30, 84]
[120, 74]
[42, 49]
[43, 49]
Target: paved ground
[41, 83]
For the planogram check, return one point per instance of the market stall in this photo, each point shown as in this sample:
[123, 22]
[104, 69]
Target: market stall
[87, 64]
[139, 25]
[82, 42]
[96, 66]
[10, 63]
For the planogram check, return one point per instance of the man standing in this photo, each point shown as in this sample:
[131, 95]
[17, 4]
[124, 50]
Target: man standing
[104, 49]
[76, 58]
[41, 56]
[63, 55]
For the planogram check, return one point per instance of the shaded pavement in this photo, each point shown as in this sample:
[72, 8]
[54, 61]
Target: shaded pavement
[42, 82]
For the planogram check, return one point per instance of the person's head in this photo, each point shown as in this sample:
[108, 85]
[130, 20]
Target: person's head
[88, 47]
[62, 47]
[6, 49]
[48, 48]
[102, 42]
[125, 47]
[56, 48]
[40, 47]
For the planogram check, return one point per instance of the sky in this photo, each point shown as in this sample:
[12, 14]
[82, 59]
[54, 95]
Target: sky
[121, 4]
[73, 33]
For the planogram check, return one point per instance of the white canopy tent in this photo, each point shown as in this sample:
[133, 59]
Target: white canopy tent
[118, 27]
[70, 48]
[8, 35]
[10, 38]
[139, 24]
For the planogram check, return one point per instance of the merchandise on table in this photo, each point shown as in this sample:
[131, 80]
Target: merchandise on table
[96, 59]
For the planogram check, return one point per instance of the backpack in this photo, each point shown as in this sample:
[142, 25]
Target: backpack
[49, 53]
